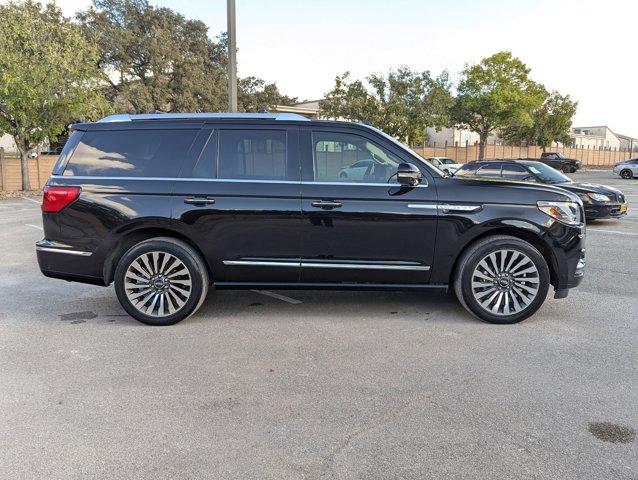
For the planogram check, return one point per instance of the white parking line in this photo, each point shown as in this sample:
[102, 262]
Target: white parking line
[615, 232]
[34, 226]
[32, 200]
[279, 296]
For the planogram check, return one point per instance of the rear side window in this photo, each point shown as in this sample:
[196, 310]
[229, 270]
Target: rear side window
[490, 170]
[69, 146]
[467, 170]
[130, 153]
[515, 172]
[252, 155]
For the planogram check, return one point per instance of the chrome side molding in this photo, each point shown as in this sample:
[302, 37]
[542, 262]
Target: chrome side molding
[459, 208]
[307, 264]
[67, 252]
[446, 207]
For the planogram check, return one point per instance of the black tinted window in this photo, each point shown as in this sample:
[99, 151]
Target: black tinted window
[515, 172]
[252, 154]
[490, 170]
[130, 153]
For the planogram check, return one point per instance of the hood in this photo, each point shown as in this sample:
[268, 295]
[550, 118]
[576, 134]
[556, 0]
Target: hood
[588, 188]
[526, 193]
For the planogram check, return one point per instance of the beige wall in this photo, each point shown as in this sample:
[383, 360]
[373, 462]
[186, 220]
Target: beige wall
[39, 171]
[589, 157]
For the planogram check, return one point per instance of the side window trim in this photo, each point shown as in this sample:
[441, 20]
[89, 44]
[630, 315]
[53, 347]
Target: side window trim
[213, 139]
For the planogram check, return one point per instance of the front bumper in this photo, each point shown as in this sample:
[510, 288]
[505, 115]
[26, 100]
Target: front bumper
[608, 210]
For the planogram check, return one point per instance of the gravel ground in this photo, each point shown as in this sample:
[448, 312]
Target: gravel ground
[309, 385]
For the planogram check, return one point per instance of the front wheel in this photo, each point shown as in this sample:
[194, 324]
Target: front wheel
[626, 174]
[567, 169]
[502, 279]
[161, 281]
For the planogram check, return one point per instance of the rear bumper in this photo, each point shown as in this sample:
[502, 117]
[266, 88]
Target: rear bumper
[58, 260]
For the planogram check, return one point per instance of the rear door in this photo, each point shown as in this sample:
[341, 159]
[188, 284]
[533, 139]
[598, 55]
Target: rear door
[240, 201]
[365, 229]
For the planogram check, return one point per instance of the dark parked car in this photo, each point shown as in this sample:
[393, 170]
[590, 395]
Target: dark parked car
[599, 201]
[166, 205]
[559, 162]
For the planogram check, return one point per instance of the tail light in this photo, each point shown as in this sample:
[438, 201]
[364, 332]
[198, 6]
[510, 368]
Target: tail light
[56, 199]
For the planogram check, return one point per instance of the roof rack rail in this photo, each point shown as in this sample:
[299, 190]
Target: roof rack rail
[126, 117]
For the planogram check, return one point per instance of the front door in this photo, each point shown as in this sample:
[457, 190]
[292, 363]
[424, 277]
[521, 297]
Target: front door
[240, 202]
[363, 227]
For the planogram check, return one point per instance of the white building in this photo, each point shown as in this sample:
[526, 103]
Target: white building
[598, 138]
[627, 144]
[455, 137]
[6, 142]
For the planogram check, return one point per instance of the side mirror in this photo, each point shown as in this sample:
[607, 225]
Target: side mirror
[408, 174]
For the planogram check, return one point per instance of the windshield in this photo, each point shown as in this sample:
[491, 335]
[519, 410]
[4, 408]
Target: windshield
[547, 174]
[446, 161]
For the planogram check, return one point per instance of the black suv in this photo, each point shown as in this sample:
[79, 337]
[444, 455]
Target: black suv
[166, 205]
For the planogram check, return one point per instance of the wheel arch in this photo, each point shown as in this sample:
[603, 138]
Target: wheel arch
[521, 233]
[133, 237]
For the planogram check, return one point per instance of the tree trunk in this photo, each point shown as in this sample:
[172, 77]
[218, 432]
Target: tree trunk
[24, 164]
[482, 144]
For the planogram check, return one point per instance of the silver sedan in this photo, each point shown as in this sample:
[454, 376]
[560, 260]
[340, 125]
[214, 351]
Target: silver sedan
[627, 169]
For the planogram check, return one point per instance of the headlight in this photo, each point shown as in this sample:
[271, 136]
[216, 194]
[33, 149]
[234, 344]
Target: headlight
[599, 197]
[565, 212]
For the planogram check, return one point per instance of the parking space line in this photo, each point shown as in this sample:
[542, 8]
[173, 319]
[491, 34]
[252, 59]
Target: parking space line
[32, 200]
[278, 296]
[34, 226]
[615, 232]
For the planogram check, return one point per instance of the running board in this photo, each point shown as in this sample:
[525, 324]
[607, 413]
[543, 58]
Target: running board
[327, 286]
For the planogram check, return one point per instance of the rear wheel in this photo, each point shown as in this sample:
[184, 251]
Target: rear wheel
[626, 174]
[161, 281]
[502, 279]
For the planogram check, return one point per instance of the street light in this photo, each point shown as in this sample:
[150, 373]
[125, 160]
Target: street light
[232, 57]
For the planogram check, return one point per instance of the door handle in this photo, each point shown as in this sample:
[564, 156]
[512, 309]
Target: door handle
[199, 201]
[326, 204]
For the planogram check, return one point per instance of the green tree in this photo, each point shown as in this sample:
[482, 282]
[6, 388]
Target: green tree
[255, 94]
[402, 103]
[495, 94]
[153, 58]
[48, 76]
[551, 122]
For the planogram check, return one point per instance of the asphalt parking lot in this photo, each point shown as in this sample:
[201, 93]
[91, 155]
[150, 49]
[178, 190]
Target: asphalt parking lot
[348, 385]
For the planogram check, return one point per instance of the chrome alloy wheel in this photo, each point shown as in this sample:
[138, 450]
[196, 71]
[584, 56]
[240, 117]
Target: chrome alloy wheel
[157, 284]
[505, 282]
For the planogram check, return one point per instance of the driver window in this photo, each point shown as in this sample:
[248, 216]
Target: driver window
[349, 158]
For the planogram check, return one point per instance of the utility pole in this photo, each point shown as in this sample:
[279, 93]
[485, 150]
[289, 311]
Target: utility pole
[232, 57]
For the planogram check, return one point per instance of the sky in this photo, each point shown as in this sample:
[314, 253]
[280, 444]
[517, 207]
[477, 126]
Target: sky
[584, 48]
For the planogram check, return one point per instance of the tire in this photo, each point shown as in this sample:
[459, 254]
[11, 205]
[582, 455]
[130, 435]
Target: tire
[522, 289]
[567, 169]
[626, 174]
[343, 175]
[167, 274]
